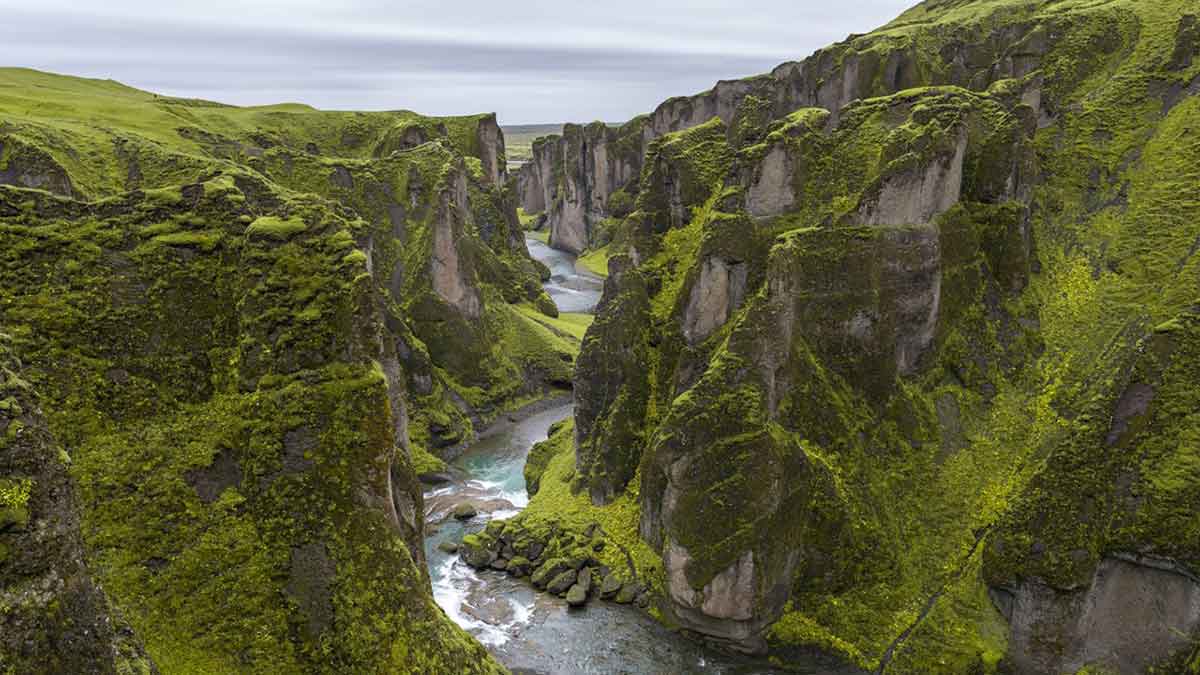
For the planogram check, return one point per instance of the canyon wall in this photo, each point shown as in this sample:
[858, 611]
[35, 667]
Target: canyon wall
[892, 352]
[248, 336]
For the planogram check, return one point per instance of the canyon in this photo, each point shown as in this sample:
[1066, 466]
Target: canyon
[882, 361]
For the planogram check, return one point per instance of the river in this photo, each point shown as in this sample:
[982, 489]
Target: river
[531, 632]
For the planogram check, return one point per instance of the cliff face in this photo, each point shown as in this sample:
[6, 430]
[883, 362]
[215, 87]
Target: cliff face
[247, 342]
[572, 178]
[886, 350]
[55, 618]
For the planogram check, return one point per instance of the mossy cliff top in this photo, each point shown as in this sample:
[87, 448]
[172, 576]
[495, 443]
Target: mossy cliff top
[890, 348]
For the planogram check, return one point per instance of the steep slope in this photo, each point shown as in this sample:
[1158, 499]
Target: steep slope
[892, 350]
[248, 328]
[54, 618]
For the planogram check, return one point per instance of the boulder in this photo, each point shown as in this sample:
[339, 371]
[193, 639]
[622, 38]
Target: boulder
[448, 547]
[577, 596]
[476, 551]
[465, 511]
[610, 587]
[562, 582]
[519, 566]
[628, 593]
[584, 580]
[549, 570]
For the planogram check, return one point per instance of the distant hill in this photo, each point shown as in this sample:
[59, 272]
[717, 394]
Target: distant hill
[518, 140]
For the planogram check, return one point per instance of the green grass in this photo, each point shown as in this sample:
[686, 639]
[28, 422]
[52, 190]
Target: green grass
[527, 219]
[573, 324]
[595, 261]
[519, 138]
[78, 120]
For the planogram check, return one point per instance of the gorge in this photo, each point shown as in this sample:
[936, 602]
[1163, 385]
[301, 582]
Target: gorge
[885, 361]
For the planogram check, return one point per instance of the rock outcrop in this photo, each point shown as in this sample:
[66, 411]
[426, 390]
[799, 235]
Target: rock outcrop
[1130, 616]
[572, 177]
[973, 54]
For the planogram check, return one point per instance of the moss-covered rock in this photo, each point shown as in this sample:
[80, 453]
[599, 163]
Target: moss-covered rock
[956, 237]
[54, 617]
[227, 356]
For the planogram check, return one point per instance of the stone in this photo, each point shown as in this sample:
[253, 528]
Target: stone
[519, 566]
[562, 582]
[1134, 611]
[549, 570]
[476, 552]
[465, 511]
[435, 478]
[451, 277]
[535, 550]
[714, 298]
[771, 192]
[577, 596]
[628, 593]
[584, 580]
[448, 547]
[610, 587]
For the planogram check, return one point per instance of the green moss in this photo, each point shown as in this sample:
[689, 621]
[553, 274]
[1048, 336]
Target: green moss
[595, 261]
[275, 228]
[14, 494]
[556, 506]
[212, 353]
[423, 462]
[204, 240]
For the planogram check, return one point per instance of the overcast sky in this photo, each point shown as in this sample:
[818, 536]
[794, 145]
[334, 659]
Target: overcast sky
[536, 61]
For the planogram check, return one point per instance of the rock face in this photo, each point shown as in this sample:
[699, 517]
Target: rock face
[714, 297]
[973, 55]
[893, 353]
[491, 150]
[572, 177]
[917, 194]
[771, 192]
[608, 395]
[55, 618]
[450, 280]
[25, 165]
[1130, 616]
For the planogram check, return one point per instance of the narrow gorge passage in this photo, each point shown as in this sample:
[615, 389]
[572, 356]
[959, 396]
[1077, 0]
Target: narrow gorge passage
[527, 630]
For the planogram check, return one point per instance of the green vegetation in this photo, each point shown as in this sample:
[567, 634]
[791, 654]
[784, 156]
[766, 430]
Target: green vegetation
[558, 505]
[913, 445]
[227, 313]
[519, 138]
[595, 261]
[527, 219]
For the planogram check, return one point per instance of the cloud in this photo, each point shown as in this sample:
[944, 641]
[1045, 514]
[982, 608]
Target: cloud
[538, 62]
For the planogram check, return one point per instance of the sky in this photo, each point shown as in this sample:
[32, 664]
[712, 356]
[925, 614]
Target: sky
[542, 61]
